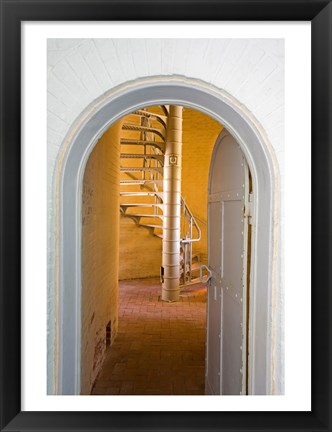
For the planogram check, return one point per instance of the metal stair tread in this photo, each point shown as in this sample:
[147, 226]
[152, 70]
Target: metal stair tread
[140, 205]
[141, 156]
[128, 141]
[145, 215]
[151, 225]
[196, 266]
[196, 280]
[139, 182]
[135, 169]
[130, 194]
[192, 282]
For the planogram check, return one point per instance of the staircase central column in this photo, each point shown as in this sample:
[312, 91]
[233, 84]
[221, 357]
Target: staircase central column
[172, 205]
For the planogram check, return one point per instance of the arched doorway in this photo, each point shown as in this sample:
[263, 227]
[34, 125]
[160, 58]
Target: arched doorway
[260, 160]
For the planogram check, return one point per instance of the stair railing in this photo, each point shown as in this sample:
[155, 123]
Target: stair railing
[192, 224]
[187, 240]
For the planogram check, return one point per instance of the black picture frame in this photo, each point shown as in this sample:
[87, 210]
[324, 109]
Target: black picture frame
[13, 12]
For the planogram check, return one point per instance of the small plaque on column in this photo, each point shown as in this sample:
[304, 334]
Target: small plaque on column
[173, 159]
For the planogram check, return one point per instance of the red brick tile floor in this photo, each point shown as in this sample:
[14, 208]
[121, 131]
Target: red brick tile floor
[160, 346]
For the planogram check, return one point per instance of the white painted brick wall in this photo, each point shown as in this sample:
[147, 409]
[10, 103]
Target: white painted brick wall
[81, 70]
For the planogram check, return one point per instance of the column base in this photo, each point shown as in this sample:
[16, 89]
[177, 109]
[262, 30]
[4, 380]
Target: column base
[170, 295]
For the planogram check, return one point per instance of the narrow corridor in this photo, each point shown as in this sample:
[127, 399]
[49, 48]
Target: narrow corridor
[160, 347]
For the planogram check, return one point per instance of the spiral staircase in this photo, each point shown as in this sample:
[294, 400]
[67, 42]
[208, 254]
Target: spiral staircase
[141, 185]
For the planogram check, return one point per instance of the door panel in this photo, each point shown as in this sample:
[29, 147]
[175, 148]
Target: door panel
[214, 304]
[232, 243]
[213, 335]
[227, 234]
[231, 346]
[215, 247]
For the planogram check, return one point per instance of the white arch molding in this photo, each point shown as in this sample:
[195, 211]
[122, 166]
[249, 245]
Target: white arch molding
[70, 170]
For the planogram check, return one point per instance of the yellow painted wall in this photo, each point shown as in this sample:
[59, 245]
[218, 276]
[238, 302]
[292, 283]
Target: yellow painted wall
[140, 251]
[100, 253]
[199, 136]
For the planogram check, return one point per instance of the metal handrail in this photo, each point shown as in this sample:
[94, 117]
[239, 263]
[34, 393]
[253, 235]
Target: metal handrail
[204, 222]
[161, 119]
[192, 222]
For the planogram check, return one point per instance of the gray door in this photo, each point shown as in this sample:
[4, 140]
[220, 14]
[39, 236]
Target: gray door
[227, 239]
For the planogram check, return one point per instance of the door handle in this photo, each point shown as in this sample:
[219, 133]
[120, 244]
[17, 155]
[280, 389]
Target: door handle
[208, 276]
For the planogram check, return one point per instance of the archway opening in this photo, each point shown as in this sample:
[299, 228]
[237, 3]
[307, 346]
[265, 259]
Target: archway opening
[253, 147]
[160, 345]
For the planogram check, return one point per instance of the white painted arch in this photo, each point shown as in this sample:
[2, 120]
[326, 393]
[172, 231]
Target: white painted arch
[77, 147]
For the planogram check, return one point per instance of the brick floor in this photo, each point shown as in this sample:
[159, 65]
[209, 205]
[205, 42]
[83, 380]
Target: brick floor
[160, 347]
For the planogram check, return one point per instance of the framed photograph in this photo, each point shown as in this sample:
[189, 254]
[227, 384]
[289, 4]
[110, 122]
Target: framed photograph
[165, 215]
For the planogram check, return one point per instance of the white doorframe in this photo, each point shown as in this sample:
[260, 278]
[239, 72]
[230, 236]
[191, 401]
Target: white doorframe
[76, 150]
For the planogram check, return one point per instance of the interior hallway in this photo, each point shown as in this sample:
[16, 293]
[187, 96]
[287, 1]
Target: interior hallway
[160, 347]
